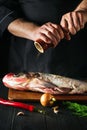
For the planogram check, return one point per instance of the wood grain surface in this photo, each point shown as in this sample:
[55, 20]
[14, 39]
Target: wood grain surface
[35, 96]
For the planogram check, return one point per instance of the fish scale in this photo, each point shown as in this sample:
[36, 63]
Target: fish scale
[45, 83]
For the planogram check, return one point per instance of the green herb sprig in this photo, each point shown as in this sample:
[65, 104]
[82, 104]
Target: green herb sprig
[78, 109]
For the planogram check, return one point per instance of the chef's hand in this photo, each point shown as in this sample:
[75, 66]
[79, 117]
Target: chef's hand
[74, 21]
[49, 33]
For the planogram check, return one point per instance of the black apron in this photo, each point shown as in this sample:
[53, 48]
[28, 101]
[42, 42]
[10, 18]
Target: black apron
[67, 59]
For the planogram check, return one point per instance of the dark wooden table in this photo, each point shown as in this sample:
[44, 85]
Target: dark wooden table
[64, 120]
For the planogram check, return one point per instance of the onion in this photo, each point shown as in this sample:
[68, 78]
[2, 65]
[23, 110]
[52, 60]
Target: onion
[47, 99]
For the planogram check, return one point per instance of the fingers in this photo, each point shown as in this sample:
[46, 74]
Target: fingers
[57, 33]
[50, 33]
[68, 20]
[72, 21]
[77, 19]
[65, 30]
[81, 20]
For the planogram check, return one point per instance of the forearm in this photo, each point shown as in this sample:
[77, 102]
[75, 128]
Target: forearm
[48, 32]
[82, 6]
[22, 28]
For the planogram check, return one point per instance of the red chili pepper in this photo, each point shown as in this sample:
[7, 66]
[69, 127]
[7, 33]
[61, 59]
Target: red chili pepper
[18, 104]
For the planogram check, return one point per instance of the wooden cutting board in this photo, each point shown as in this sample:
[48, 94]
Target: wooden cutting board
[35, 96]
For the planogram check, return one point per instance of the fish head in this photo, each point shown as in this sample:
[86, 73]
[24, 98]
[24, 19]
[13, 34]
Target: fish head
[14, 80]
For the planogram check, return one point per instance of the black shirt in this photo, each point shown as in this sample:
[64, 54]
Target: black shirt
[68, 58]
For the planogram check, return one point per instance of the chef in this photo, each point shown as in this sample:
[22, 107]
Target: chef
[24, 21]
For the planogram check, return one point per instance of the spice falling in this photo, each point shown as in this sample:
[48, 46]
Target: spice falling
[30, 108]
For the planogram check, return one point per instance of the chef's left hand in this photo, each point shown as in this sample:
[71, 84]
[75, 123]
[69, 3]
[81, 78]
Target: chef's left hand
[74, 21]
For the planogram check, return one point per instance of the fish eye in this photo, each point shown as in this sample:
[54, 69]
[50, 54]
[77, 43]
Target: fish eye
[19, 74]
[36, 75]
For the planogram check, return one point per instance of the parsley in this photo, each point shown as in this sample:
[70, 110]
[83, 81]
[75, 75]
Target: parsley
[78, 109]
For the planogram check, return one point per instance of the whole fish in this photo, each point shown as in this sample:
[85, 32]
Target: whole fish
[45, 83]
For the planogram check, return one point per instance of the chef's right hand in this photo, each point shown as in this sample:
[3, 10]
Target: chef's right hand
[49, 33]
